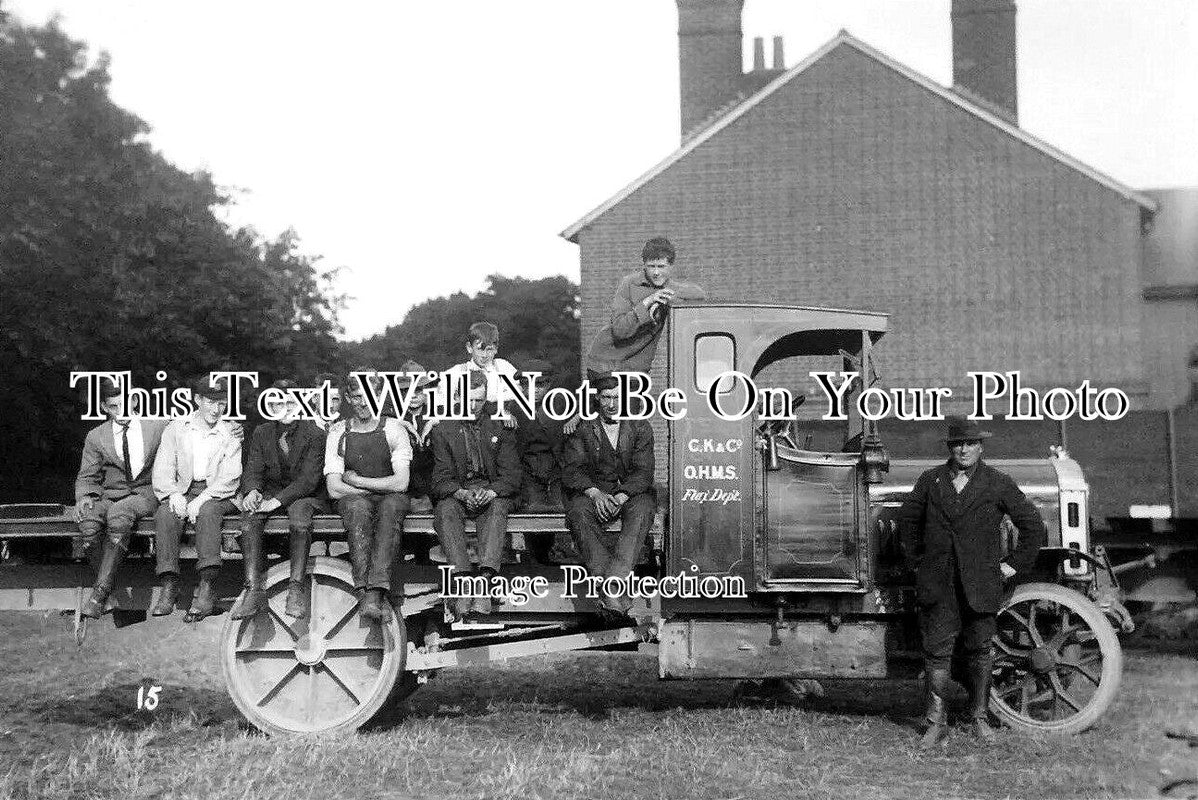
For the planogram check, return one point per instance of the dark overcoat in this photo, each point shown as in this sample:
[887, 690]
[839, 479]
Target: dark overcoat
[941, 529]
[284, 477]
[588, 459]
[500, 455]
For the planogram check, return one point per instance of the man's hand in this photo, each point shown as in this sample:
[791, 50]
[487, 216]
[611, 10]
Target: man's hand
[178, 505]
[84, 506]
[571, 425]
[269, 506]
[661, 297]
[606, 506]
[1007, 570]
[510, 423]
[193, 508]
[620, 497]
[251, 501]
[484, 497]
[350, 478]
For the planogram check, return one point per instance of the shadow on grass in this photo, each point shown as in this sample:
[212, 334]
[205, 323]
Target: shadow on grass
[116, 706]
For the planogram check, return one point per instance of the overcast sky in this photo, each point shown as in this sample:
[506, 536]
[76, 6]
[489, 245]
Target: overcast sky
[423, 146]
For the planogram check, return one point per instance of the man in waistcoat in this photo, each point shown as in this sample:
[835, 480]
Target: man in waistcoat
[366, 470]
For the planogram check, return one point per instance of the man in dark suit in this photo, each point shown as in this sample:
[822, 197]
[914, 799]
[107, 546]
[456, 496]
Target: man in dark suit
[541, 441]
[282, 476]
[950, 527]
[113, 489]
[476, 474]
[607, 472]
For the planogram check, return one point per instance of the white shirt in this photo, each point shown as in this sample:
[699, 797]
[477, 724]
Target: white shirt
[497, 367]
[137, 450]
[203, 443]
[612, 429]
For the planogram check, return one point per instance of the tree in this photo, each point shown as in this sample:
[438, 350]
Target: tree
[536, 319]
[113, 258]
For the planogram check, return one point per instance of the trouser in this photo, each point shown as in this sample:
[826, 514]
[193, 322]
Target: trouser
[490, 522]
[299, 522]
[107, 529]
[168, 532]
[942, 623]
[636, 517]
[541, 496]
[374, 529]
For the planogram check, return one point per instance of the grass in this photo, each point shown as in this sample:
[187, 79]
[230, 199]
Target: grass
[582, 725]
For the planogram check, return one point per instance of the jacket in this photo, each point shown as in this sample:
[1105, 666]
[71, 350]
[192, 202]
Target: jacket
[102, 468]
[172, 465]
[588, 459]
[500, 456]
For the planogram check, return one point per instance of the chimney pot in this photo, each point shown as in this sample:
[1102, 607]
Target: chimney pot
[779, 59]
[758, 54]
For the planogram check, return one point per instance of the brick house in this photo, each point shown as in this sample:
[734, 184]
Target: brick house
[850, 180]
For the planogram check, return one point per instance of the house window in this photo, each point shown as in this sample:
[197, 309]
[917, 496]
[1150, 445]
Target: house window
[715, 353]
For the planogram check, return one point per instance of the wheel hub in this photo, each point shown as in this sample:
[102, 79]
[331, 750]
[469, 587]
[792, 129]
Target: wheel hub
[1043, 660]
[309, 652]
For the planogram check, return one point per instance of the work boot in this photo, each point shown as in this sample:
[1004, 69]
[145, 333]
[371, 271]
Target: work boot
[204, 601]
[979, 675]
[936, 688]
[297, 597]
[168, 596]
[253, 600]
[375, 606]
[94, 608]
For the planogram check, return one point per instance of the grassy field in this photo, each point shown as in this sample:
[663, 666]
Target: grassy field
[586, 725]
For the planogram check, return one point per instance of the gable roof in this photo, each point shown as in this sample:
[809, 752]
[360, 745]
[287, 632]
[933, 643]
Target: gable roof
[845, 38]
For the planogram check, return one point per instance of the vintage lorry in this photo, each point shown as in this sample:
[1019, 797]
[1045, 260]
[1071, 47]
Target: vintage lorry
[808, 531]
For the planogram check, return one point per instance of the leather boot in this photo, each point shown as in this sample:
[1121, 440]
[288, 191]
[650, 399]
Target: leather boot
[168, 596]
[375, 606]
[936, 686]
[297, 597]
[979, 676]
[204, 602]
[253, 600]
[94, 608]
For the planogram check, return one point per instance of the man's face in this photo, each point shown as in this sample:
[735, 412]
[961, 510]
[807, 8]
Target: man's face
[419, 401]
[609, 403]
[478, 398]
[657, 271]
[211, 410]
[965, 454]
[482, 353]
[111, 408]
[357, 403]
[285, 410]
[335, 402]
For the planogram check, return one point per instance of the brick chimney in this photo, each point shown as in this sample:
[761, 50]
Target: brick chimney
[984, 53]
[709, 57]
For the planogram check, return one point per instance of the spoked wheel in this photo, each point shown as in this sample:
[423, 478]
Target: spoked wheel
[1057, 663]
[331, 671]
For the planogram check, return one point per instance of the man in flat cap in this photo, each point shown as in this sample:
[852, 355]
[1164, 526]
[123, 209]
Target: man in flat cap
[196, 472]
[950, 528]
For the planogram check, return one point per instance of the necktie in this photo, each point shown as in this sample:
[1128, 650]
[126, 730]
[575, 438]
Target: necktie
[125, 452]
[284, 446]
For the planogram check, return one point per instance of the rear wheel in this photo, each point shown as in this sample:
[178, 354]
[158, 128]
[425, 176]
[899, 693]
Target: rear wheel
[331, 671]
[1057, 663]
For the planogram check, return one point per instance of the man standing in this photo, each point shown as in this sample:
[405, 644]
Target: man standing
[113, 489]
[196, 472]
[607, 471]
[366, 470]
[282, 473]
[476, 474]
[628, 341]
[950, 531]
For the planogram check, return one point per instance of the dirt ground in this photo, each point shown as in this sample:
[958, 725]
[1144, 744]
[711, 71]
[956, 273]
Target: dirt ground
[582, 725]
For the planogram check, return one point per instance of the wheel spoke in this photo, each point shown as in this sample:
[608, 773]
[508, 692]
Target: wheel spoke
[311, 693]
[283, 623]
[1017, 654]
[1060, 637]
[337, 651]
[1059, 690]
[266, 651]
[345, 686]
[272, 691]
[1026, 623]
[1076, 666]
[336, 627]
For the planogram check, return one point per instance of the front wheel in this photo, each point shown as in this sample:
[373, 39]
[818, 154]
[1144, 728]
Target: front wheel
[1057, 663]
[332, 671]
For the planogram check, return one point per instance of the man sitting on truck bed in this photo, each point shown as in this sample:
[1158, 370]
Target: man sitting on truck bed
[196, 472]
[113, 489]
[282, 476]
[607, 472]
[366, 470]
[476, 474]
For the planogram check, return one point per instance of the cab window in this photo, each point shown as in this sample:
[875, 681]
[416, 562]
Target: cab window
[715, 354]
